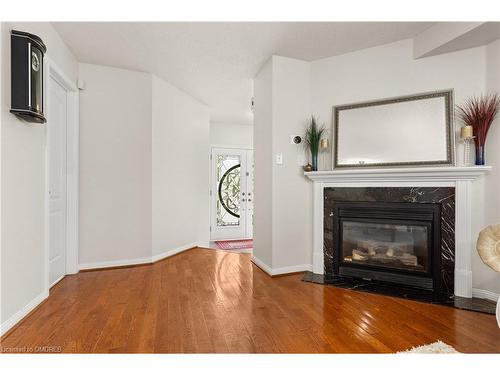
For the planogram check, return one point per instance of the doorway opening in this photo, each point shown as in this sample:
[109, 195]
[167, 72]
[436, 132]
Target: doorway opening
[231, 198]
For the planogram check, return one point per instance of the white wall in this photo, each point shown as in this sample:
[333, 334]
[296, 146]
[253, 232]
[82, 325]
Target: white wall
[263, 164]
[144, 147]
[180, 174]
[391, 70]
[292, 192]
[485, 277]
[283, 211]
[115, 165]
[24, 281]
[234, 135]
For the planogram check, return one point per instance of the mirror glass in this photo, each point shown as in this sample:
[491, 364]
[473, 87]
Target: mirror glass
[411, 130]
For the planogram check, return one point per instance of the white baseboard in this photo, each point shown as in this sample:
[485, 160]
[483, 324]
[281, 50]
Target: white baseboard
[114, 263]
[237, 251]
[169, 253]
[486, 294]
[291, 269]
[282, 270]
[14, 319]
[243, 251]
[55, 282]
[263, 266]
[136, 261]
[205, 244]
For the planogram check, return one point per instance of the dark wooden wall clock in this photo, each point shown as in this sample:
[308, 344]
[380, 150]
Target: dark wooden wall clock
[27, 52]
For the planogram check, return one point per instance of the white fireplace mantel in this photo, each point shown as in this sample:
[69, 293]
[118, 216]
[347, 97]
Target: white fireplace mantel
[459, 177]
[428, 174]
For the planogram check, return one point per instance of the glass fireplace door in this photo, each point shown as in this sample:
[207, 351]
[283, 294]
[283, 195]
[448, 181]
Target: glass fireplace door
[398, 246]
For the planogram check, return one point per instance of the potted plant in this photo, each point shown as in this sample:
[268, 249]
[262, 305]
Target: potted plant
[312, 140]
[479, 113]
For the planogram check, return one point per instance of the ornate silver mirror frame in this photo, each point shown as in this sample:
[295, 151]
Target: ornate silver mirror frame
[413, 130]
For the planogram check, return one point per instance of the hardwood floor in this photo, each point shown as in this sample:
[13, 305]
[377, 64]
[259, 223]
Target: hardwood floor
[208, 301]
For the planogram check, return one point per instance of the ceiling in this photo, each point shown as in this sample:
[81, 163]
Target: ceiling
[216, 62]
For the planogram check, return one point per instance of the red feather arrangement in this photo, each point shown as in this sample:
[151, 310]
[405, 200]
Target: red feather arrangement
[479, 113]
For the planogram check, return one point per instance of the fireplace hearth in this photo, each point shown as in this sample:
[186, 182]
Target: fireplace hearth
[391, 242]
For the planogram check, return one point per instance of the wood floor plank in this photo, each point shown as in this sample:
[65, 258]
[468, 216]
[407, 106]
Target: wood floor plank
[212, 301]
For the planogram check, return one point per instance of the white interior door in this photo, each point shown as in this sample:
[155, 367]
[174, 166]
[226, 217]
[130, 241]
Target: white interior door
[56, 129]
[231, 197]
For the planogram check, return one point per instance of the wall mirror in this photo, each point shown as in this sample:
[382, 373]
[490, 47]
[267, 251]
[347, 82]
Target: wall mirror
[409, 130]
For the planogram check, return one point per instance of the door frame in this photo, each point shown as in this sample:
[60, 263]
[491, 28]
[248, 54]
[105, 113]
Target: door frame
[53, 71]
[210, 191]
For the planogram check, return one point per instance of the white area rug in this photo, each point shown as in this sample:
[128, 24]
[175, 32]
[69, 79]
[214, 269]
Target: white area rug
[438, 347]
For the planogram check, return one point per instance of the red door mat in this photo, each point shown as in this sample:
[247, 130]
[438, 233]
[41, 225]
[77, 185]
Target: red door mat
[235, 244]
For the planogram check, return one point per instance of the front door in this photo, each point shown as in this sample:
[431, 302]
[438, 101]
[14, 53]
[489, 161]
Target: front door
[231, 194]
[56, 128]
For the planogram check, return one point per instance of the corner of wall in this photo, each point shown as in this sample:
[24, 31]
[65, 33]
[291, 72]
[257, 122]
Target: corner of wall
[263, 155]
[282, 238]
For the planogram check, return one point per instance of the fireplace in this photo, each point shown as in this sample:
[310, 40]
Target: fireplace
[404, 239]
[390, 242]
[448, 264]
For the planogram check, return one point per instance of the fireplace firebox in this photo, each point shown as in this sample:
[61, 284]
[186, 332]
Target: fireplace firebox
[389, 242]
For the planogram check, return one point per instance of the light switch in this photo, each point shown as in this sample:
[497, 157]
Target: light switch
[279, 158]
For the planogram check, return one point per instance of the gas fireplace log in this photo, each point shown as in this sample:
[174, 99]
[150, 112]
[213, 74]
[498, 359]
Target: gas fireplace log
[404, 258]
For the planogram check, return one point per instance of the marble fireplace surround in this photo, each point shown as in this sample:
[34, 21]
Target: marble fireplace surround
[459, 178]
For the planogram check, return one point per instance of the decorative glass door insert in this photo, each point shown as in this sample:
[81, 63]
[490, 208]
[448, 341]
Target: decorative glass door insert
[228, 169]
[231, 193]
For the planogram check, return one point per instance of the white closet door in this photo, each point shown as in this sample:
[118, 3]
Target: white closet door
[56, 128]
